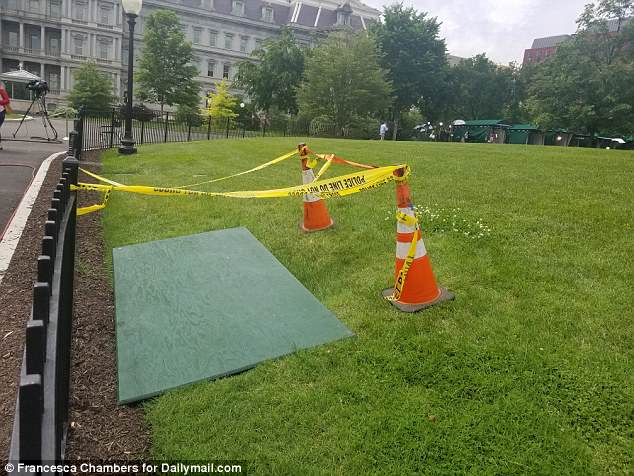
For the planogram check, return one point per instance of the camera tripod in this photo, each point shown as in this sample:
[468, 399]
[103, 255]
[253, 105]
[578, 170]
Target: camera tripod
[40, 101]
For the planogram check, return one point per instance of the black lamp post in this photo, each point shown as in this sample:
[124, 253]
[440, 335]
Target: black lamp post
[132, 9]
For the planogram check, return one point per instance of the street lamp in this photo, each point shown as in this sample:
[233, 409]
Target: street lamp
[132, 9]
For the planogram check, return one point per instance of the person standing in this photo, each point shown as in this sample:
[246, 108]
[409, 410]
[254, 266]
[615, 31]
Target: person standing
[4, 104]
[383, 130]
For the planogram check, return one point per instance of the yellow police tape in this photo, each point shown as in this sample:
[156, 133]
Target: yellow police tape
[324, 168]
[411, 253]
[329, 188]
[254, 169]
[97, 207]
[336, 187]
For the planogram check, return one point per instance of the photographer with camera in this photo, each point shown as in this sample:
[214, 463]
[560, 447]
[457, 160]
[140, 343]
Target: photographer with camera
[4, 105]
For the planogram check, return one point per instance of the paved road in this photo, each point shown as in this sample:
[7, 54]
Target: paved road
[19, 161]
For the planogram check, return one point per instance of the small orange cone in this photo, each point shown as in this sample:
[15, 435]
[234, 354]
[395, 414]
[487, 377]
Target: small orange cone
[416, 287]
[316, 217]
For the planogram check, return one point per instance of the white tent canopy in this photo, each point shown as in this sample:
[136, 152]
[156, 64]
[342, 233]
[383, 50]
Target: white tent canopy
[20, 75]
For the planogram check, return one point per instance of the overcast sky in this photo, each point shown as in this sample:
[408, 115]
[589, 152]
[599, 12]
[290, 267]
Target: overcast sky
[502, 29]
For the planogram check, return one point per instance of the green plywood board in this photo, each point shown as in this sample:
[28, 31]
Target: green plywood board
[205, 306]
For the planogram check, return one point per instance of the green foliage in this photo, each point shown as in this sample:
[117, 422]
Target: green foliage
[409, 120]
[322, 126]
[189, 115]
[67, 112]
[142, 113]
[244, 114]
[272, 80]
[343, 80]
[587, 86]
[222, 104]
[165, 74]
[298, 125]
[363, 128]
[415, 58]
[481, 89]
[92, 89]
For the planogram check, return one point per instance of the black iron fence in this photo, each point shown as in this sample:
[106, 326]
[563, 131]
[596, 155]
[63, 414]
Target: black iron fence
[41, 415]
[104, 130]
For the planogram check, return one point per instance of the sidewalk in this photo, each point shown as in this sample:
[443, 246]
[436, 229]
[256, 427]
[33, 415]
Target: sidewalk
[19, 162]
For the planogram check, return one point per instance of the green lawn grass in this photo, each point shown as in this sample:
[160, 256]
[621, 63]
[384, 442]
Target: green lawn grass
[528, 371]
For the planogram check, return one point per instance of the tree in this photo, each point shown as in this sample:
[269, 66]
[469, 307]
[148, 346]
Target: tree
[415, 58]
[480, 88]
[343, 80]
[92, 90]
[587, 85]
[273, 79]
[221, 104]
[165, 73]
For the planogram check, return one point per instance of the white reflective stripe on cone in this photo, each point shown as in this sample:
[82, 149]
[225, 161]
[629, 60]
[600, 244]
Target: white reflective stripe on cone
[309, 177]
[402, 249]
[402, 227]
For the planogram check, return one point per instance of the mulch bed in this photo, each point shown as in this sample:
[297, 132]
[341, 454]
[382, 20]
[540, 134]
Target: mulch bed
[16, 292]
[99, 428]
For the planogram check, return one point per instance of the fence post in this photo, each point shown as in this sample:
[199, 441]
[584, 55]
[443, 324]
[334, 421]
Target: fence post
[72, 165]
[142, 130]
[112, 128]
[227, 128]
[71, 142]
[166, 123]
[35, 347]
[78, 126]
[41, 293]
[31, 404]
[189, 131]
[208, 127]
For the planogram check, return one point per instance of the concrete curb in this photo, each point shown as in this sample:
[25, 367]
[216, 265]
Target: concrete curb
[14, 229]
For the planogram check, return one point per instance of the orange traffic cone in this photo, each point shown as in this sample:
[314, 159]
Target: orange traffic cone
[416, 287]
[316, 217]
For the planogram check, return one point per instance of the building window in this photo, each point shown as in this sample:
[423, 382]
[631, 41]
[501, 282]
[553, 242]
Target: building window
[12, 4]
[226, 70]
[343, 18]
[244, 43]
[34, 5]
[211, 68]
[80, 11]
[34, 41]
[53, 46]
[104, 50]
[53, 80]
[78, 43]
[228, 41]
[104, 16]
[197, 35]
[237, 7]
[213, 37]
[13, 39]
[55, 8]
[258, 43]
[267, 14]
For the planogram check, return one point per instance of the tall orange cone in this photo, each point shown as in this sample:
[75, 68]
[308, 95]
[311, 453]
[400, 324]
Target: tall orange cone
[416, 287]
[316, 217]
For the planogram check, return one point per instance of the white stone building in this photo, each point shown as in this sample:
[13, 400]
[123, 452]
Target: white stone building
[51, 38]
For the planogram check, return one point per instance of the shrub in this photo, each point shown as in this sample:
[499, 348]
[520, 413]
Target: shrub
[189, 114]
[322, 126]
